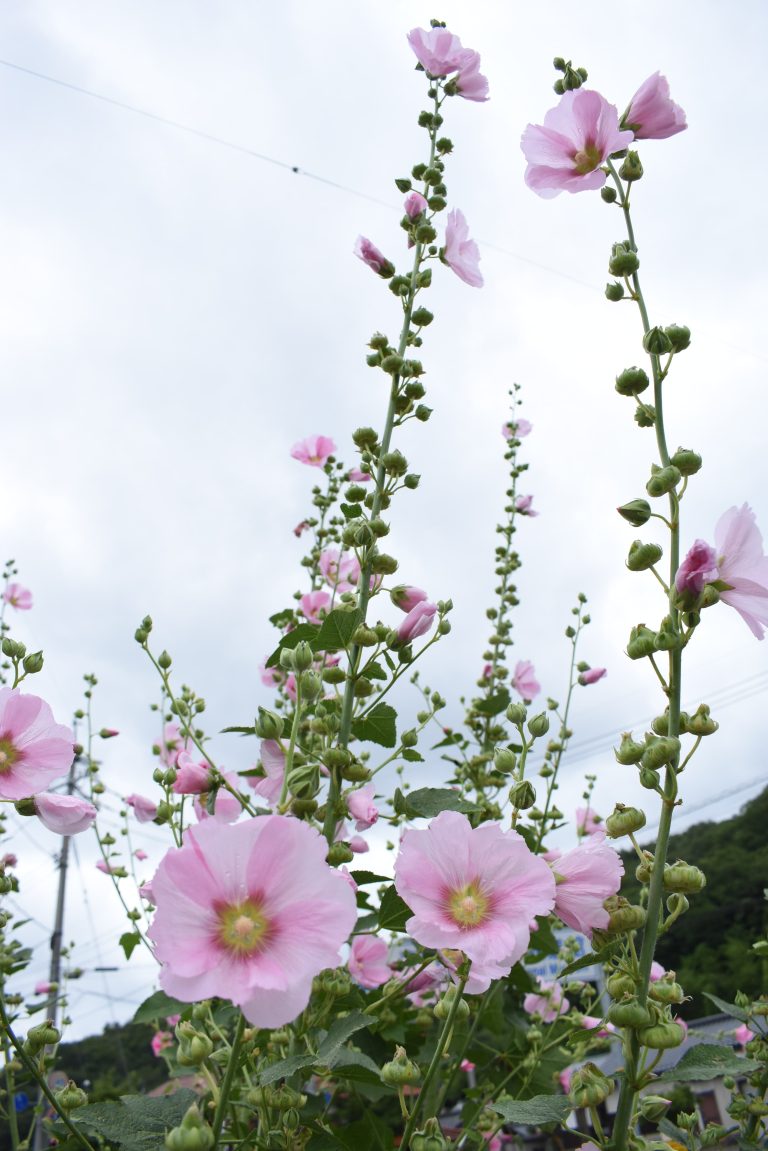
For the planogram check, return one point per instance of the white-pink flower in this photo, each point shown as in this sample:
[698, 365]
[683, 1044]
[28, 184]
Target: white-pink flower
[362, 808]
[250, 913]
[518, 429]
[314, 450]
[340, 570]
[461, 254]
[367, 963]
[550, 1002]
[144, 809]
[470, 82]
[172, 743]
[415, 205]
[438, 51]
[742, 1035]
[313, 603]
[44, 988]
[417, 622]
[523, 504]
[18, 596]
[588, 822]
[226, 806]
[64, 814]
[524, 680]
[273, 761]
[743, 566]
[652, 114]
[592, 675]
[475, 889]
[405, 596]
[34, 750]
[191, 778]
[586, 876]
[366, 251]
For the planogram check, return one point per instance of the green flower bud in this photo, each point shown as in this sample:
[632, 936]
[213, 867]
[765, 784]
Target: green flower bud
[589, 1087]
[649, 778]
[33, 662]
[366, 439]
[660, 1036]
[659, 751]
[624, 916]
[539, 725]
[628, 750]
[632, 381]
[623, 261]
[268, 724]
[429, 1138]
[364, 636]
[334, 675]
[505, 760]
[391, 363]
[608, 193]
[516, 714]
[631, 169]
[339, 853]
[624, 821]
[395, 463]
[337, 757]
[286, 660]
[642, 642]
[303, 656]
[409, 739]
[619, 985]
[40, 1036]
[356, 772]
[666, 990]
[679, 337]
[656, 342]
[636, 512]
[686, 461]
[383, 564]
[701, 723]
[164, 660]
[645, 415]
[643, 556]
[614, 291]
[400, 1070]
[522, 795]
[71, 1097]
[684, 877]
[663, 480]
[653, 1107]
[193, 1134]
[629, 1013]
[446, 1002]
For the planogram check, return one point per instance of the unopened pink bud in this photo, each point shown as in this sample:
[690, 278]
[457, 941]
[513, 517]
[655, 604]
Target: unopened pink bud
[415, 205]
[418, 621]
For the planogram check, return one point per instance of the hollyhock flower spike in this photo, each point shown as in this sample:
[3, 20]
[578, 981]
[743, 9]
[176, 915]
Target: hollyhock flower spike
[550, 1003]
[418, 621]
[586, 876]
[34, 750]
[592, 675]
[524, 680]
[475, 889]
[17, 596]
[370, 255]
[518, 429]
[314, 451]
[743, 566]
[250, 913]
[652, 114]
[64, 814]
[461, 254]
[367, 963]
[576, 138]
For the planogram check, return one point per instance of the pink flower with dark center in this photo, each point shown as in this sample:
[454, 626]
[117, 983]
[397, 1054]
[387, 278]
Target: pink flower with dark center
[523, 505]
[34, 750]
[64, 814]
[415, 205]
[160, 1041]
[524, 680]
[576, 138]
[592, 675]
[340, 570]
[475, 889]
[367, 963]
[191, 778]
[314, 602]
[438, 51]
[470, 82]
[517, 429]
[273, 761]
[362, 808]
[418, 621]
[314, 451]
[18, 596]
[250, 913]
[586, 876]
[226, 806]
[144, 809]
[743, 566]
[697, 569]
[549, 1004]
[370, 255]
[406, 597]
[461, 254]
[652, 114]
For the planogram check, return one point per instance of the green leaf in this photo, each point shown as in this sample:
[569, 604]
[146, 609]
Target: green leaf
[282, 618]
[587, 960]
[304, 631]
[426, 802]
[374, 670]
[338, 1033]
[378, 726]
[351, 511]
[238, 730]
[412, 755]
[536, 1111]
[129, 942]
[729, 1008]
[137, 1122]
[452, 738]
[336, 630]
[284, 1068]
[158, 1006]
[351, 1064]
[493, 704]
[362, 878]
[393, 911]
[709, 1061]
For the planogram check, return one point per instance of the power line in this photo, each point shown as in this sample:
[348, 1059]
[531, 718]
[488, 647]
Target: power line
[686, 811]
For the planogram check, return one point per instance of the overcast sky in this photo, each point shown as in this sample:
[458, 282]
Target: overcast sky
[176, 313]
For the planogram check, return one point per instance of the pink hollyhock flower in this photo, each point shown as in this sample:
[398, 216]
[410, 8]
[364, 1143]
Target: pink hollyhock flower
[487, 670]
[18, 596]
[415, 205]
[9, 860]
[191, 778]
[160, 1041]
[362, 808]
[171, 745]
[344, 870]
[467, 1065]
[566, 152]
[144, 809]
[226, 806]
[250, 913]
[406, 597]
[314, 451]
[470, 82]
[588, 822]
[493, 1141]
[742, 1035]
[523, 505]
[698, 568]
[586, 876]
[743, 566]
[461, 254]
[592, 675]
[269, 676]
[108, 733]
[518, 429]
[474, 889]
[172, 1020]
[417, 622]
[340, 570]
[356, 476]
[300, 528]
[524, 680]
[34, 750]
[140, 854]
[44, 988]
[592, 1023]
[107, 868]
[550, 1004]
[359, 845]
[273, 761]
[64, 814]
[367, 963]
[565, 1077]
[657, 971]
[290, 688]
[652, 114]
[370, 255]
[314, 602]
[438, 51]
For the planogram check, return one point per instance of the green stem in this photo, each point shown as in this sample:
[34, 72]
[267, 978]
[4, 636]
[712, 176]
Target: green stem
[291, 746]
[226, 1087]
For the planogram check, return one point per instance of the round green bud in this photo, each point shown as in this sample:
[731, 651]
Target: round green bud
[666, 990]
[629, 1013]
[649, 778]
[656, 342]
[679, 336]
[589, 1087]
[443, 1006]
[625, 916]
[356, 772]
[400, 1070]
[620, 985]
[505, 760]
[334, 674]
[608, 194]
[522, 795]
[303, 656]
[628, 751]
[686, 461]
[516, 714]
[614, 291]
[661, 1036]
[663, 480]
[71, 1097]
[631, 168]
[33, 662]
[659, 751]
[538, 725]
[642, 642]
[624, 821]
[643, 556]
[653, 1107]
[684, 877]
[268, 724]
[339, 853]
[645, 415]
[636, 512]
[383, 564]
[701, 722]
[623, 261]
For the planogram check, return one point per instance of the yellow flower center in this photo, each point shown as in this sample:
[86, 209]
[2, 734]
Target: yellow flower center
[587, 159]
[469, 905]
[8, 756]
[243, 927]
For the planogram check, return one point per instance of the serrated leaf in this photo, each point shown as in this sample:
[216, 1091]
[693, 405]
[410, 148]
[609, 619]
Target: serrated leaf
[284, 1068]
[729, 1008]
[282, 618]
[378, 726]
[588, 960]
[129, 942]
[158, 1006]
[336, 630]
[137, 1122]
[412, 755]
[709, 1061]
[351, 511]
[339, 1032]
[427, 802]
[493, 704]
[393, 911]
[362, 878]
[304, 632]
[374, 670]
[536, 1111]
